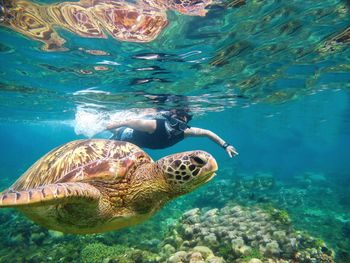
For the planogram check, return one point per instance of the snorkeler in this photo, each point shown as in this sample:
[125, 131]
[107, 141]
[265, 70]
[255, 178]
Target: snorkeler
[164, 131]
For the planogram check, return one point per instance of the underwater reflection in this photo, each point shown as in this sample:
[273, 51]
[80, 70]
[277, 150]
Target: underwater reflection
[140, 81]
[135, 22]
[336, 42]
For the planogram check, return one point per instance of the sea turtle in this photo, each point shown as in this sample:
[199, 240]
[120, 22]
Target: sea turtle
[97, 185]
[140, 21]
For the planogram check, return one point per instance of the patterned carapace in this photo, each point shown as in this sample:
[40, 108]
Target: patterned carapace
[91, 186]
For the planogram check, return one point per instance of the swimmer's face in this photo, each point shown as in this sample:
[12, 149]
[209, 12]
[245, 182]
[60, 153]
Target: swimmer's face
[181, 118]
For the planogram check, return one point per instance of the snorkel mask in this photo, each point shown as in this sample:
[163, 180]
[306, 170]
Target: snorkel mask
[177, 124]
[174, 119]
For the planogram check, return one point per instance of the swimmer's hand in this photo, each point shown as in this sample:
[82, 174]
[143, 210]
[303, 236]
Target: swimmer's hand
[231, 151]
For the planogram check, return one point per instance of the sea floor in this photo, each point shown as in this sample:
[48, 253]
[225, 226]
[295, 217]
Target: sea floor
[246, 218]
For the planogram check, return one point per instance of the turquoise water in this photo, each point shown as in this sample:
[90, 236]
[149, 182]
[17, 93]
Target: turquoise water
[265, 76]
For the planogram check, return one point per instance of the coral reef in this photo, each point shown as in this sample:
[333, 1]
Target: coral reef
[98, 252]
[241, 234]
[257, 227]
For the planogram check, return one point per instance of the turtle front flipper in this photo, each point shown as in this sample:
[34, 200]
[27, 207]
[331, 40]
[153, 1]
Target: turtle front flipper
[49, 194]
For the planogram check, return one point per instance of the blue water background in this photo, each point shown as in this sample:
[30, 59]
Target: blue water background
[255, 75]
[310, 134]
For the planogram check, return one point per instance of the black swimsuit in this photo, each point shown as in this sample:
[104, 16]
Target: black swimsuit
[159, 139]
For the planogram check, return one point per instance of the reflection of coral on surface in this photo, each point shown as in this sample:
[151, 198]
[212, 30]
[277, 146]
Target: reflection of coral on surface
[336, 42]
[124, 21]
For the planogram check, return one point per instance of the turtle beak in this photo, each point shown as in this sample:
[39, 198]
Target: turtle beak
[211, 165]
[210, 169]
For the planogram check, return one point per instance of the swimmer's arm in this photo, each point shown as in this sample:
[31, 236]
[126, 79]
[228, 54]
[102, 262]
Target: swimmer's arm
[136, 124]
[198, 132]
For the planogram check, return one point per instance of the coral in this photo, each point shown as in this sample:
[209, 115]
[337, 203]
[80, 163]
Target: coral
[215, 226]
[199, 254]
[177, 257]
[224, 249]
[167, 250]
[253, 254]
[204, 251]
[97, 252]
[278, 215]
[244, 234]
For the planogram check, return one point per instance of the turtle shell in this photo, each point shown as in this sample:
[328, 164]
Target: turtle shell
[83, 161]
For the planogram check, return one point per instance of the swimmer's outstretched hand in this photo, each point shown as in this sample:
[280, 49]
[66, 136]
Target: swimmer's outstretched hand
[232, 152]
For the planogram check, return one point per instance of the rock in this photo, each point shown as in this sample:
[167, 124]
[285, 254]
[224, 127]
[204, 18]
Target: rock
[213, 220]
[231, 235]
[204, 231]
[205, 251]
[191, 212]
[188, 231]
[242, 251]
[250, 237]
[280, 236]
[211, 213]
[266, 238]
[178, 257]
[239, 248]
[254, 243]
[175, 240]
[236, 209]
[185, 245]
[293, 242]
[196, 228]
[196, 257]
[272, 249]
[238, 242]
[178, 240]
[193, 219]
[211, 240]
[55, 234]
[168, 250]
[255, 260]
[215, 260]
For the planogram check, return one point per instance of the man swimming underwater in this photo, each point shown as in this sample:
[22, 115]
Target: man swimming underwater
[163, 131]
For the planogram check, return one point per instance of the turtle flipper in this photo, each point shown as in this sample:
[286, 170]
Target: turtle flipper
[49, 194]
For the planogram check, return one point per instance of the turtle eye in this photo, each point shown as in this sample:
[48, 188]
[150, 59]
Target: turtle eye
[198, 160]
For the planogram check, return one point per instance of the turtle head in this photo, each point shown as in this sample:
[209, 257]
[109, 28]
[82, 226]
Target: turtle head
[186, 171]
